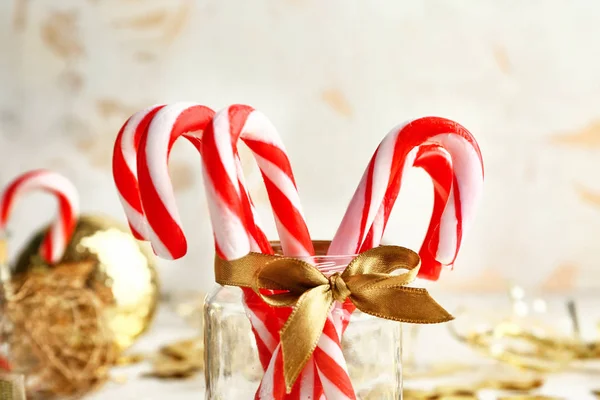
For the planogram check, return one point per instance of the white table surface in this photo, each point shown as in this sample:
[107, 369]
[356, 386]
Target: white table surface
[433, 344]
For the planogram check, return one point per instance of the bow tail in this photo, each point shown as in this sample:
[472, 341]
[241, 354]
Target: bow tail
[301, 332]
[403, 304]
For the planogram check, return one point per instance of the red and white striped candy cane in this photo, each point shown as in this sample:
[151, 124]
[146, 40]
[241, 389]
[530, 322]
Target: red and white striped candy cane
[385, 171]
[438, 164]
[58, 236]
[158, 203]
[175, 120]
[436, 157]
[125, 155]
[156, 193]
[218, 155]
[260, 136]
[180, 119]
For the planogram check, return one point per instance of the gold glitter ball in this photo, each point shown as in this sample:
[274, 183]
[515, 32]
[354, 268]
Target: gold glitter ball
[123, 275]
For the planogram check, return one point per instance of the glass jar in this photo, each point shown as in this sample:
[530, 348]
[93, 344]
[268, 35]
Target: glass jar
[371, 346]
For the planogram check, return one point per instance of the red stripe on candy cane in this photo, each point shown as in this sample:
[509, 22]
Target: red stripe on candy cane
[59, 234]
[125, 169]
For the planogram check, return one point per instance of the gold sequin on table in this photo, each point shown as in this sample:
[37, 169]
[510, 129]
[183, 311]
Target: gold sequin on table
[514, 384]
[530, 397]
[446, 394]
[522, 385]
[130, 359]
[123, 273]
[179, 360]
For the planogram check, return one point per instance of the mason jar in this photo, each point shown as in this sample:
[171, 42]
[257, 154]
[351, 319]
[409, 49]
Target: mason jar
[372, 346]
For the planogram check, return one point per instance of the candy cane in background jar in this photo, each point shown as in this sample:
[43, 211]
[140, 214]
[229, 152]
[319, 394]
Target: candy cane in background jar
[260, 136]
[58, 236]
[380, 185]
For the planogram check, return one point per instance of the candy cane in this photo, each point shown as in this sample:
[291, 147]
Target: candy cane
[438, 164]
[386, 170]
[230, 229]
[58, 236]
[262, 139]
[163, 220]
[125, 160]
[219, 158]
[180, 119]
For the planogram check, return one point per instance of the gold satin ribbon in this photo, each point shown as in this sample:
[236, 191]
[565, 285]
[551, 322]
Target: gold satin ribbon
[367, 281]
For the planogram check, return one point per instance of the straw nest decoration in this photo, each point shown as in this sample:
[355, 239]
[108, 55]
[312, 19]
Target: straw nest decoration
[56, 333]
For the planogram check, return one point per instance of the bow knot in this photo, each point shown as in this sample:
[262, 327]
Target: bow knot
[339, 289]
[367, 281]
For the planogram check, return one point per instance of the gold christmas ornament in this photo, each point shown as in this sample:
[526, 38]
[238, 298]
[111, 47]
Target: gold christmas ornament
[123, 275]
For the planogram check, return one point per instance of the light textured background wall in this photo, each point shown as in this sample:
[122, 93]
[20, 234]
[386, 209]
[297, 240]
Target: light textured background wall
[334, 77]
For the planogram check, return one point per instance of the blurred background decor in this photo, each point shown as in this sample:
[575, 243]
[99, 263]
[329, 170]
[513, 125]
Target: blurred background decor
[516, 80]
[81, 293]
[334, 77]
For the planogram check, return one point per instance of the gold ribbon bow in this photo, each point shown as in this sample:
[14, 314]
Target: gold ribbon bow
[367, 281]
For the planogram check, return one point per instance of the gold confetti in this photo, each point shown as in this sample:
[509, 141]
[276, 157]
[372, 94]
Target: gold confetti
[520, 385]
[530, 397]
[413, 394]
[184, 350]
[456, 391]
[168, 368]
[178, 360]
[439, 393]
[130, 359]
[438, 370]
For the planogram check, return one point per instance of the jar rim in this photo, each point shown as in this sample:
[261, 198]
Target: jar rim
[326, 263]
[321, 247]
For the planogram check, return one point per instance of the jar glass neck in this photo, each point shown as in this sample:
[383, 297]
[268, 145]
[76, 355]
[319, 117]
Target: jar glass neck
[328, 264]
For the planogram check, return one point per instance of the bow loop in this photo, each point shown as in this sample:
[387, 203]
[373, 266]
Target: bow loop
[367, 281]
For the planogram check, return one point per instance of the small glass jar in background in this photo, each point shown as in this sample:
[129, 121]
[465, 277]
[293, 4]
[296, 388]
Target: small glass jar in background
[372, 346]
